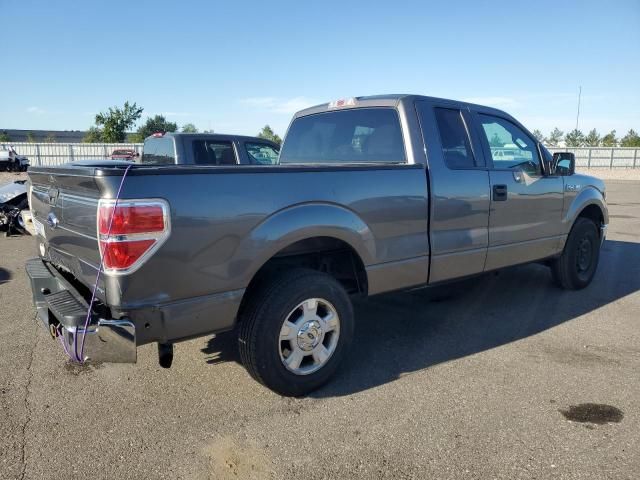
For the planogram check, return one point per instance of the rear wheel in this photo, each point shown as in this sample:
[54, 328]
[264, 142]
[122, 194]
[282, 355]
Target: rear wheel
[577, 265]
[295, 330]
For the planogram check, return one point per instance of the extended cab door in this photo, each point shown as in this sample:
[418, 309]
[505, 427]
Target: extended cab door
[525, 221]
[459, 186]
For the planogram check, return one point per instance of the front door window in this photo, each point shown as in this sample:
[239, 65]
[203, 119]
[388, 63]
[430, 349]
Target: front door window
[511, 148]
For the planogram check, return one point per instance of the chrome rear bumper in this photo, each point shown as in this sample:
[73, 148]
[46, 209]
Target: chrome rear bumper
[63, 311]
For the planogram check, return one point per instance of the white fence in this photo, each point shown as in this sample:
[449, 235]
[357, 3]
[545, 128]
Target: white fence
[603, 157]
[59, 153]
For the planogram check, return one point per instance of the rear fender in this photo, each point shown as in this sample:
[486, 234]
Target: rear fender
[296, 223]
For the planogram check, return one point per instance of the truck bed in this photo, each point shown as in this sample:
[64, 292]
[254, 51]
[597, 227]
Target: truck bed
[227, 222]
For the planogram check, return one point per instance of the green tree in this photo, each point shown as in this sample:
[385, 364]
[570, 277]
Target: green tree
[609, 140]
[189, 128]
[156, 124]
[4, 137]
[631, 139]
[555, 137]
[31, 138]
[93, 135]
[117, 121]
[539, 136]
[592, 139]
[51, 138]
[575, 138]
[268, 134]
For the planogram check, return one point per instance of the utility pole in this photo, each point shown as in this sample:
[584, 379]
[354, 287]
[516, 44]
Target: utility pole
[578, 114]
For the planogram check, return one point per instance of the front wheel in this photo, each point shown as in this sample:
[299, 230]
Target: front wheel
[577, 265]
[295, 330]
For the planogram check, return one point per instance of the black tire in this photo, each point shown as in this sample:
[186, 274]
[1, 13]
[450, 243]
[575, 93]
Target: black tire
[577, 265]
[261, 319]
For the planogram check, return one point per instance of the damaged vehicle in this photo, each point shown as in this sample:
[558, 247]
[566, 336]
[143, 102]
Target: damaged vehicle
[11, 161]
[14, 208]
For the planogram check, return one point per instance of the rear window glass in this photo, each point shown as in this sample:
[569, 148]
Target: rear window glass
[456, 147]
[262, 153]
[158, 151]
[359, 135]
[213, 152]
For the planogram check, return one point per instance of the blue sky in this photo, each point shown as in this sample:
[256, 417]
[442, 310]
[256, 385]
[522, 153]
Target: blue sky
[235, 66]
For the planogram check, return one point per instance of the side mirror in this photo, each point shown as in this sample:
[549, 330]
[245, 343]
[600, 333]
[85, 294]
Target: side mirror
[564, 163]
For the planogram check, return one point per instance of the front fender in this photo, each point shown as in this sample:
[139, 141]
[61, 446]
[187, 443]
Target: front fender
[296, 223]
[590, 195]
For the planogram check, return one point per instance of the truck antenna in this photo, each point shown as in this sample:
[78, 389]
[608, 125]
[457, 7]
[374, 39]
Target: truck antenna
[578, 114]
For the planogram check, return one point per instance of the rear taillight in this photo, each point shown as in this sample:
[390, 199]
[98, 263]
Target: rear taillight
[130, 231]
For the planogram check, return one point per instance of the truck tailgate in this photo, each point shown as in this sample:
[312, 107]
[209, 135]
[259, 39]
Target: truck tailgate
[64, 203]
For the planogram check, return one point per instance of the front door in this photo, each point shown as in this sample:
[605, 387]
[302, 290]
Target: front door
[525, 218]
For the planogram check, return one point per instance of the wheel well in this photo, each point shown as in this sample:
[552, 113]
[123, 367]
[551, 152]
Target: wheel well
[325, 254]
[593, 213]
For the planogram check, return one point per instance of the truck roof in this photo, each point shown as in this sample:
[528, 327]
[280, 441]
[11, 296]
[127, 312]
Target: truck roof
[386, 100]
[218, 136]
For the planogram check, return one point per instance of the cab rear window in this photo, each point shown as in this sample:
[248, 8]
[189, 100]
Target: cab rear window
[158, 151]
[213, 152]
[363, 135]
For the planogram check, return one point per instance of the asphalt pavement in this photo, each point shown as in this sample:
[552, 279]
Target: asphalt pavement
[502, 376]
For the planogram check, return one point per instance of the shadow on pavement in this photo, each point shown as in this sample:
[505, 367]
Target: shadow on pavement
[5, 275]
[405, 332]
[222, 347]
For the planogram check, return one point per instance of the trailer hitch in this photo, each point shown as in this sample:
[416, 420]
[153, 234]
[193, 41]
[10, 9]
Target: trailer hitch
[165, 354]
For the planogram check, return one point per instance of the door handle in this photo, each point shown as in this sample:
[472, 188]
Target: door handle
[499, 193]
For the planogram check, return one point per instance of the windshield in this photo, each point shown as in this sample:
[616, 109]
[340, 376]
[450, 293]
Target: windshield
[262, 153]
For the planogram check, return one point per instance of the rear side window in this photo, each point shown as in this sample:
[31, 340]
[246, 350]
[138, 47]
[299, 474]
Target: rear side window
[456, 147]
[213, 152]
[158, 151]
[347, 136]
[261, 153]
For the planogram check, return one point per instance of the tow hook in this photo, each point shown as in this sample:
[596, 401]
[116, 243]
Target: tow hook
[165, 354]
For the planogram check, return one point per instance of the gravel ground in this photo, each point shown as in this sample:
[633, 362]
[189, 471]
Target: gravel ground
[494, 381]
[613, 174]
[7, 177]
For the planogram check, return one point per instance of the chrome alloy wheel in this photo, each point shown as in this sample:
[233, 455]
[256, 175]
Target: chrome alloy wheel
[309, 336]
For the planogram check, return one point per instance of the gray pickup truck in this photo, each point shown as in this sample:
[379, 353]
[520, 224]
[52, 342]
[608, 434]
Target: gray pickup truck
[207, 149]
[371, 194]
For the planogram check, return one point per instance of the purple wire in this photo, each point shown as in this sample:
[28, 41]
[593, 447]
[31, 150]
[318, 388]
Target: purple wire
[64, 346]
[80, 359]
